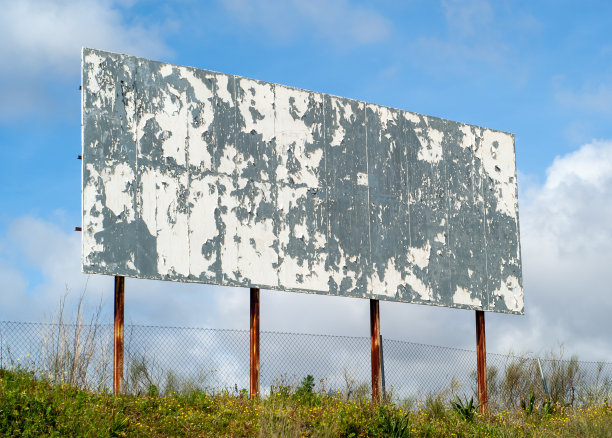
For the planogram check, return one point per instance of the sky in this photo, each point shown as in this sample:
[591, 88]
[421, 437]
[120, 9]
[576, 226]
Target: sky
[541, 70]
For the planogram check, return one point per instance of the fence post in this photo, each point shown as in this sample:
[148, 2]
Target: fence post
[382, 369]
[481, 360]
[254, 356]
[375, 349]
[118, 334]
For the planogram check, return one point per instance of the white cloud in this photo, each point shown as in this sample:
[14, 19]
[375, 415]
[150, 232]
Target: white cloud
[567, 245]
[15, 285]
[467, 17]
[337, 21]
[480, 39]
[590, 165]
[42, 260]
[38, 34]
[40, 42]
[459, 56]
[39, 262]
[592, 97]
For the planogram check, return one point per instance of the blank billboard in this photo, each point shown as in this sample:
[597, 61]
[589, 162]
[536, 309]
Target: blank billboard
[192, 175]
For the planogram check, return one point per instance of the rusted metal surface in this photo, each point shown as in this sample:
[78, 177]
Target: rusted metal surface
[481, 359]
[375, 350]
[118, 334]
[193, 175]
[254, 355]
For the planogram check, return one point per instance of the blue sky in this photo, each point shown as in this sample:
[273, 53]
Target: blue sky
[541, 70]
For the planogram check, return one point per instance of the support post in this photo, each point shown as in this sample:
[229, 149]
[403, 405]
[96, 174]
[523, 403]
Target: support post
[254, 355]
[382, 369]
[481, 359]
[375, 349]
[118, 334]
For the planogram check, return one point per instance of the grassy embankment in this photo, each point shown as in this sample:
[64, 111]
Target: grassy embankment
[31, 406]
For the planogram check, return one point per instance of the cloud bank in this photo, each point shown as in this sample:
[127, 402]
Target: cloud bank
[40, 42]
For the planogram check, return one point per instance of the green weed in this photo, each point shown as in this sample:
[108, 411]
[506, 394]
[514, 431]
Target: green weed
[528, 406]
[466, 410]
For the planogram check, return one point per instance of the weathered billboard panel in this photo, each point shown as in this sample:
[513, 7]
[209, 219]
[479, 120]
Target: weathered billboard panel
[198, 176]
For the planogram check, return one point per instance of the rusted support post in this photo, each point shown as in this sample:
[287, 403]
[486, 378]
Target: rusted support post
[118, 337]
[375, 349]
[481, 359]
[254, 356]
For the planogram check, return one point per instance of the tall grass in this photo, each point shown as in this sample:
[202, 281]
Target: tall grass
[31, 406]
[76, 350]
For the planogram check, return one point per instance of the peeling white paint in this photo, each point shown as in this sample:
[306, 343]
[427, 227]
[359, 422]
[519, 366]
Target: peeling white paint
[413, 117]
[227, 164]
[292, 133]
[172, 119]
[166, 70]
[341, 271]
[307, 273]
[291, 106]
[463, 296]
[498, 163]
[417, 285]
[255, 239]
[222, 88]
[235, 187]
[469, 138]
[147, 203]
[200, 116]
[420, 256]
[256, 255]
[92, 217]
[429, 138]
[390, 281]
[100, 96]
[202, 226]
[386, 115]
[172, 226]
[142, 122]
[130, 263]
[256, 104]
[362, 179]
[340, 132]
[227, 204]
[512, 294]
[118, 188]
[431, 144]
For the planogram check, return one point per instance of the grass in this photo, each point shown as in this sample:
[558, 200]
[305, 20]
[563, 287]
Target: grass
[32, 406]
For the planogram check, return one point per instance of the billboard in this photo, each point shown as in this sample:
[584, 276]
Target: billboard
[198, 176]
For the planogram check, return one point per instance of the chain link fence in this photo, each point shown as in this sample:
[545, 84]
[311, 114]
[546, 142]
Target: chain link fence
[177, 359]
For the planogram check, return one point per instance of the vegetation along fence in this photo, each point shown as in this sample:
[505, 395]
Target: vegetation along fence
[173, 359]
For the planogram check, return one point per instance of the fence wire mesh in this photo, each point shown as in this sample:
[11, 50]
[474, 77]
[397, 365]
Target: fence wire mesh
[174, 359]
